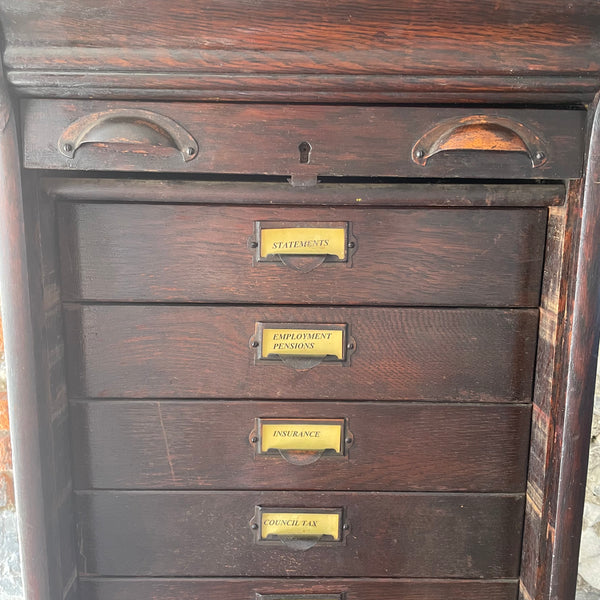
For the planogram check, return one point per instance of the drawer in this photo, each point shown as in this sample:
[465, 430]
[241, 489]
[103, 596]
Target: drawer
[211, 534]
[476, 257]
[295, 589]
[303, 141]
[137, 351]
[241, 445]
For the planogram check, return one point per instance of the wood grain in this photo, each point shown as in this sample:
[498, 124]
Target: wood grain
[327, 192]
[346, 141]
[245, 589]
[205, 445]
[119, 252]
[209, 534]
[136, 351]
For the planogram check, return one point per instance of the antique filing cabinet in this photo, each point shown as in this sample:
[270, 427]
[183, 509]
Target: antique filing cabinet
[301, 298]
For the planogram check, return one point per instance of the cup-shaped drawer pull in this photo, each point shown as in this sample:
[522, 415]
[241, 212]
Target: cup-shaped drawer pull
[299, 528]
[481, 133]
[144, 131]
[302, 246]
[302, 346]
[301, 441]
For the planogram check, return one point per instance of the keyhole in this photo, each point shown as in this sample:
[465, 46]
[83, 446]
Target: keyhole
[304, 149]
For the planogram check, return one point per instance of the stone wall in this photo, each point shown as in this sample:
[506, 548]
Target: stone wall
[10, 580]
[589, 557]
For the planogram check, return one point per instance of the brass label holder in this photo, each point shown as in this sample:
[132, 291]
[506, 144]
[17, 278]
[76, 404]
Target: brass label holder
[301, 441]
[299, 528]
[302, 346]
[302, 246]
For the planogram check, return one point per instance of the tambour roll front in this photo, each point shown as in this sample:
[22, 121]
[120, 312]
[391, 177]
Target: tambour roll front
[300, 299]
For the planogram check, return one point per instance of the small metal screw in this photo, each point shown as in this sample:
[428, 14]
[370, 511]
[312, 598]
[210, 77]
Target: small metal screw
[351, 244]
[67, 148]
[348, 440]
[539, 156]
[346, 527]
[419, 153]
[191, 151]
[255, 344]
[350, 346]
[254, 526]
[253, 244]
[254, 439]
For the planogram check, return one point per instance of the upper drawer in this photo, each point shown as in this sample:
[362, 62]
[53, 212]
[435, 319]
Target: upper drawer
[303, 141]
[142, 252]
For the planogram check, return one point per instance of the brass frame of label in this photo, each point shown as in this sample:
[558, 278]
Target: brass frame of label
[302, 361]
[299, 542]
[286, 596]
[299, 261]
[301, 456]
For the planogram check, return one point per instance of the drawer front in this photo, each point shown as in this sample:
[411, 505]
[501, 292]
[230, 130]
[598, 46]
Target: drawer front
[388, 535]
[204, 445]
[303, 141]
[480, 355]
[445, 257]
[282, 589]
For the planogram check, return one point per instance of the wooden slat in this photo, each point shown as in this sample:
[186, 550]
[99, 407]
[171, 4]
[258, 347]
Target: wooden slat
[199, 254]
[246, 589]
[345, 141]
[249, 191]
[204, 445]
[209, 534]
[483, 355]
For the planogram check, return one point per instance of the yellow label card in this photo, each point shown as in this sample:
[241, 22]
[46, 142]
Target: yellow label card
[300, 524]
[303, 240]
[301, 435]
[303, 342]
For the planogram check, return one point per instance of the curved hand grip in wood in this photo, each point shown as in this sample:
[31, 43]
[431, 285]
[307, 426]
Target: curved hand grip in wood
[482, 133]
[127, 126]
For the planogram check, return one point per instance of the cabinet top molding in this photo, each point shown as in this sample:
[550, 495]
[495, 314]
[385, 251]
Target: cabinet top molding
[309, 51]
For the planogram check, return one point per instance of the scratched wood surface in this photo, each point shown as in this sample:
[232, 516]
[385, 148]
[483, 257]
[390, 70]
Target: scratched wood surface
[480, 355]
[346, 141]
[206, 445]
[385, 51]
[121, 252]
[209, 534]
[140, 588]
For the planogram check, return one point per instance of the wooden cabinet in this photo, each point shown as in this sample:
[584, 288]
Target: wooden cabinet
[301, 299]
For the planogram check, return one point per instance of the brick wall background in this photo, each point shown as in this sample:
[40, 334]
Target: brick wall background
[10, 582]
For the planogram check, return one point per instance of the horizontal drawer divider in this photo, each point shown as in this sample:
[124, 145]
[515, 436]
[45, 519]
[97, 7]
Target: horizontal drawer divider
[401, 194]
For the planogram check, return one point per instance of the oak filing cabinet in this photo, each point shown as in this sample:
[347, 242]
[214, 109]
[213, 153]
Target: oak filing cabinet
[301, 298]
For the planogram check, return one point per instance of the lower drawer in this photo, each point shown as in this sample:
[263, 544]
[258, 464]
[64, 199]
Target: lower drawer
[381, 534]
[307, 589]
[392, 446]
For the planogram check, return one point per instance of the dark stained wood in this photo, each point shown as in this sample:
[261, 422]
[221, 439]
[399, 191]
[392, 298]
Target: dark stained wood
[570, 406]
[28, 434]
[480, 355]
[539, 89]
[209, 534]
[245, 589]
[376, 141]
[402, 447]
[457, 257]
[440, 194]
[248, 45]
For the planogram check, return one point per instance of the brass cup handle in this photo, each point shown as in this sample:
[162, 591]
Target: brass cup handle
[481, 133]
[128, 127]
